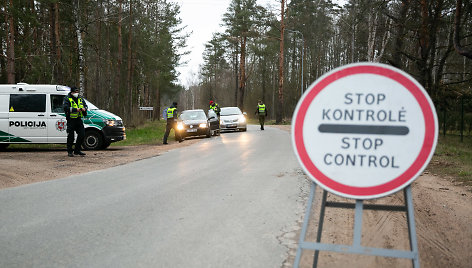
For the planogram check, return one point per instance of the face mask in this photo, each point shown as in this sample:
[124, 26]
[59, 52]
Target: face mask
[75, 95]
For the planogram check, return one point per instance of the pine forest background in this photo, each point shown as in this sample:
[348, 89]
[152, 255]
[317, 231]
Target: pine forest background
[124, 53]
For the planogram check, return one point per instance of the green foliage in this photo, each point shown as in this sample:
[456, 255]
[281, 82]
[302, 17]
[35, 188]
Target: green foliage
[414, 36]
[453, 158]
[151, 40]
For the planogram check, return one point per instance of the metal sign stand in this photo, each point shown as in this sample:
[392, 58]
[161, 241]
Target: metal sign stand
[356, 247]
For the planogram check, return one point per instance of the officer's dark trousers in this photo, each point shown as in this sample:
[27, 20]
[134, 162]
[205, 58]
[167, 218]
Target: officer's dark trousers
[75, 126]
[261, 121]
[171, 124]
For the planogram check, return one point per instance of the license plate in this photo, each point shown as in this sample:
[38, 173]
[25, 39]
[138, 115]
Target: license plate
[192, 130]
[231, 125]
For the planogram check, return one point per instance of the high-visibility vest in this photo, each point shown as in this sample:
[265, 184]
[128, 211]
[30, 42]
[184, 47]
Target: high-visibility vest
[170, 112]
[261, 108]
[214, 107]
[73, 104]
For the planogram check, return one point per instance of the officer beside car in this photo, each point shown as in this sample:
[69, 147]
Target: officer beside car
[215, 107]
[75, 109]
[172, 123]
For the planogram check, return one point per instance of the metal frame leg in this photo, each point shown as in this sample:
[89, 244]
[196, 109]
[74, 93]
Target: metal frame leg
[320, 227]
[411, 226]
[305, 225]
[356, 247]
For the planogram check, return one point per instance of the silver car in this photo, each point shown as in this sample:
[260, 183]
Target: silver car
[231, 118]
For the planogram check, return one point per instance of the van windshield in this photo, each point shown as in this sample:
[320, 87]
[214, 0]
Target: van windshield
[91, 106]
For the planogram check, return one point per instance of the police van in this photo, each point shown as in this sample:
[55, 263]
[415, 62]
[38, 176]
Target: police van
[34, 114]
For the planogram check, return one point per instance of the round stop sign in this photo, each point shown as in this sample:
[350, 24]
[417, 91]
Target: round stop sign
[364, 130]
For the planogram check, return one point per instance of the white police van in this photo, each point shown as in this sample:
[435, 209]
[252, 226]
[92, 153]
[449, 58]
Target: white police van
[34, 114]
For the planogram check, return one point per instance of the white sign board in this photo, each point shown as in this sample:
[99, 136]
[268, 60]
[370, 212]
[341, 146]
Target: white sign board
[146, 108]
[364, 130]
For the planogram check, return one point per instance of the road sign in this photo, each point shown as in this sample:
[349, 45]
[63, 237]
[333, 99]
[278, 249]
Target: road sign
[146, 108]
[364, 130]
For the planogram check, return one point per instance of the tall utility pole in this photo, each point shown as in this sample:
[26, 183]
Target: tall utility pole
[280, 103]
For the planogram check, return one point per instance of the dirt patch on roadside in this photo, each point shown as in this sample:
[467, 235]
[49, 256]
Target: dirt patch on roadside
[443, 215]
[24, 166]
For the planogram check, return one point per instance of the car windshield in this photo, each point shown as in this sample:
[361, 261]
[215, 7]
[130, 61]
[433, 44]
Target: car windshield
[230, 111]
[91, 106]
[193, 115]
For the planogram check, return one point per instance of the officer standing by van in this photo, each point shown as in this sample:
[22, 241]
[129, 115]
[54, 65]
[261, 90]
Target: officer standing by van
[262, 111]
[75, 109]
[172, 123]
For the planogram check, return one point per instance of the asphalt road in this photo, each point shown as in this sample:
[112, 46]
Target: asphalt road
[228, 201]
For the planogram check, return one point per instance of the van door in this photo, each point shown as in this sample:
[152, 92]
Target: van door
[57, 123]
[4, 100]
[27, 118]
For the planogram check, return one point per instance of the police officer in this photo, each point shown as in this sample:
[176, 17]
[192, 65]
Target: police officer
[75, 109]
[215, 107]
[262, 111]
[172, 123]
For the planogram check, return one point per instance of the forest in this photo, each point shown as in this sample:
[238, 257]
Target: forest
[124, 53]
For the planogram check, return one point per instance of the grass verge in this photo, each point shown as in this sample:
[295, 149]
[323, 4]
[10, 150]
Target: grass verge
[151, 132]
[453, 158]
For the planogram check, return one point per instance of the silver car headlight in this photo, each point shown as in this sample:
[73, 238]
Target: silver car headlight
[242, 119]
[202, 125]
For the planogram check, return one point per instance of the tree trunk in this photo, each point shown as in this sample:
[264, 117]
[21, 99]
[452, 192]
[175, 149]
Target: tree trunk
[10, 44]
[52, 44]
[130, 53]
[118, 103]
[98, 89]
[280, 104]
[457, 28]
[58, 44]
[242, 73]
[236, 76]
[397, 51]
[372, 22]
[80, 47]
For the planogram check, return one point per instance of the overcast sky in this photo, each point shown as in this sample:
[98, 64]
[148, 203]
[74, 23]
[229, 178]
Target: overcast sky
[203, 18]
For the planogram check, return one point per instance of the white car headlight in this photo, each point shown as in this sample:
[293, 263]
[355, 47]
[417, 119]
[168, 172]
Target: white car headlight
[242, 119]
[110, 123]
[202, 125]
[180, 126]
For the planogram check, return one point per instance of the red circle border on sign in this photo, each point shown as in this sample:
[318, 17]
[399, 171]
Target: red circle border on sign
[402, 179]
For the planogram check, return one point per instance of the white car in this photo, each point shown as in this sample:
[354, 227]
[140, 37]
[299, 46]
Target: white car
[231, 118]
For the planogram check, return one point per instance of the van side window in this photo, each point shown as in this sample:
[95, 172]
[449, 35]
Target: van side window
[56, 103]
[27, 103]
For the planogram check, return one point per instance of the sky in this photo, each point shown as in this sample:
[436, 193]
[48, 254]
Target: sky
[202, 18]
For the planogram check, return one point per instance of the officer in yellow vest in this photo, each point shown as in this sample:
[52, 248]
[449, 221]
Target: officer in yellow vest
[215, 107]
[262, 112]
[172, 123]
[75, 109]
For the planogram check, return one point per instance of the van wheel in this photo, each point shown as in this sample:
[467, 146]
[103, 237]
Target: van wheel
[3, 146]
[105, 144]
[93, 140]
